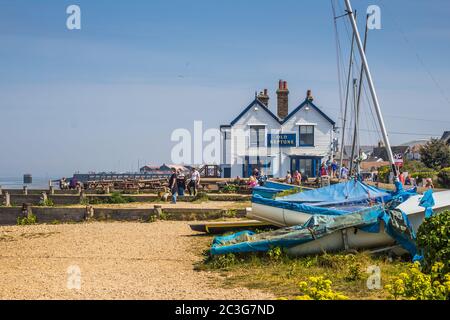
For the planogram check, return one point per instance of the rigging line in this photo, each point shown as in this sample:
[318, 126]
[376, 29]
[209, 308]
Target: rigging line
[407, 133]
[419, 58]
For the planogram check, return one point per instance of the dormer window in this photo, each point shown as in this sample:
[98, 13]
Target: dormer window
[306, 136]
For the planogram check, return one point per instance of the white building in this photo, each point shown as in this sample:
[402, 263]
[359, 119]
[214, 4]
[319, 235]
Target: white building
[257, 138]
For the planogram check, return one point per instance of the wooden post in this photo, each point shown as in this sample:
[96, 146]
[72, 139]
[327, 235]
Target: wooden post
[26, 210]
[7, 199]
[157, 210]
[82, 196]
[44, 197]
[51, 190]
[107, 190]
[89, 213]
[1, 191]
[25, 190]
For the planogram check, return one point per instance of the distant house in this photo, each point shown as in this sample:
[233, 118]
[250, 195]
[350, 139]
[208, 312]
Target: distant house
[368, 150]
[446, 137]
[257, 138]
[161, 170]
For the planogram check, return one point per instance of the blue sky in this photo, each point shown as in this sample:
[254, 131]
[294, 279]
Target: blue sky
[109, 95]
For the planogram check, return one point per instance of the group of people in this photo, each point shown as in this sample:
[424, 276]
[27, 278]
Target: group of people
[296, 178]
[178, 183]
[256, 178]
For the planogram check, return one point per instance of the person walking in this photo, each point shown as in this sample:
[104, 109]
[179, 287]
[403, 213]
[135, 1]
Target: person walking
[181, 183]
[288, 178]
[195, 182]
[334, 168]
[173, 185]
[297, 178]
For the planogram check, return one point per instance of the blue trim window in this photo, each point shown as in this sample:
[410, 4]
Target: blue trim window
[306, 136]
[257, 136]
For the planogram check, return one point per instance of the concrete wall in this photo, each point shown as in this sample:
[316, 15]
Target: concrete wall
[9, 215]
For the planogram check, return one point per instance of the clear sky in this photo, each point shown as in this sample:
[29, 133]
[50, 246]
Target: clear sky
[108, 96]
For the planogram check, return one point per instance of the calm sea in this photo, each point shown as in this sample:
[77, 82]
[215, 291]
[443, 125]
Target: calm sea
[17, 183]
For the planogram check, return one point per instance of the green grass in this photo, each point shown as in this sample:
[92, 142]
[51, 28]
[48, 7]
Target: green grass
[280, 274]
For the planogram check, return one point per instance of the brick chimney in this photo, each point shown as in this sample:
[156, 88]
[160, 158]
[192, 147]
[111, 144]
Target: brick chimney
[263, 96]
[282, 99]
[309, 95]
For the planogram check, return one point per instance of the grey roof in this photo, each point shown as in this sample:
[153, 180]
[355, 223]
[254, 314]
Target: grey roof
[380, 152]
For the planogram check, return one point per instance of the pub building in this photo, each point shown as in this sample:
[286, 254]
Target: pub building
[257, 138]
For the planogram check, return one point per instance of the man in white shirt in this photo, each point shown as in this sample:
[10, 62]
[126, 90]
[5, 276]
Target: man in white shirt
[195, 182]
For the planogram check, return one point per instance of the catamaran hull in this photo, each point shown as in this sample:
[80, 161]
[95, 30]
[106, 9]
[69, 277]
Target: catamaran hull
[286, 218]
[350, 238]
[279, 217]
[343, 240]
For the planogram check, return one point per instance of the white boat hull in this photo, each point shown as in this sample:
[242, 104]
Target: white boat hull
[346, 239]
[343, 240]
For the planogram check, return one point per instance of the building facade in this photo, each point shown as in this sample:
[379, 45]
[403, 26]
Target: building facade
[257, 138]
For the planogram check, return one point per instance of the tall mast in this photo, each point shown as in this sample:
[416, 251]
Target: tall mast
[355, 136]
[357, 108]
[372, 88]
[346, 103]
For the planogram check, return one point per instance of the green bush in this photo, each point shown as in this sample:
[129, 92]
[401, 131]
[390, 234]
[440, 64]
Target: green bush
[31, 219]
[46, 203]
[433, 239]
[444, 177]
[230, 188]
[419, 176]
[383, 173]
[417, 285]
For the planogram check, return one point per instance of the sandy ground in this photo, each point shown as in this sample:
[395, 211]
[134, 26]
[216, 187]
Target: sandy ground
[117, 260]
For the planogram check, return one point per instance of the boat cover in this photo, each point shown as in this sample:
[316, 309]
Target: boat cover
[344, 192]
[396, 225]
[270, 189]
[316, 227]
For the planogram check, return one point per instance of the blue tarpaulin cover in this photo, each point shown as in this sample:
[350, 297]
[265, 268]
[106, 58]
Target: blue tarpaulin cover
[326, 220]
[316, 227]
[344, 192]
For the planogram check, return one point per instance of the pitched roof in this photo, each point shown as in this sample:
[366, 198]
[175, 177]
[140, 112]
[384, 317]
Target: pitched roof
[380, 152]
[304, 104]
[446, 136]
[260, 104]
[264, 107]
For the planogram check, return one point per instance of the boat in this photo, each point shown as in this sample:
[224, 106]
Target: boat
[297, 208]
[227, 226]
[341, 217]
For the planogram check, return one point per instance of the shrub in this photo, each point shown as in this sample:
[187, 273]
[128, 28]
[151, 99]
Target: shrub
[383, 174]
[28, 220]
[433, 240]
[46, 203]
[230, 188]
[275, 253]
[117, 198]
[416, 285]
[419, 176]
[435, 154]
[444, 177]
[318, 288]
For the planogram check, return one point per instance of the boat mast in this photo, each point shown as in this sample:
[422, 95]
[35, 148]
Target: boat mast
[355, 136]
[372, 88]
[346, 105]
[355, 144]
